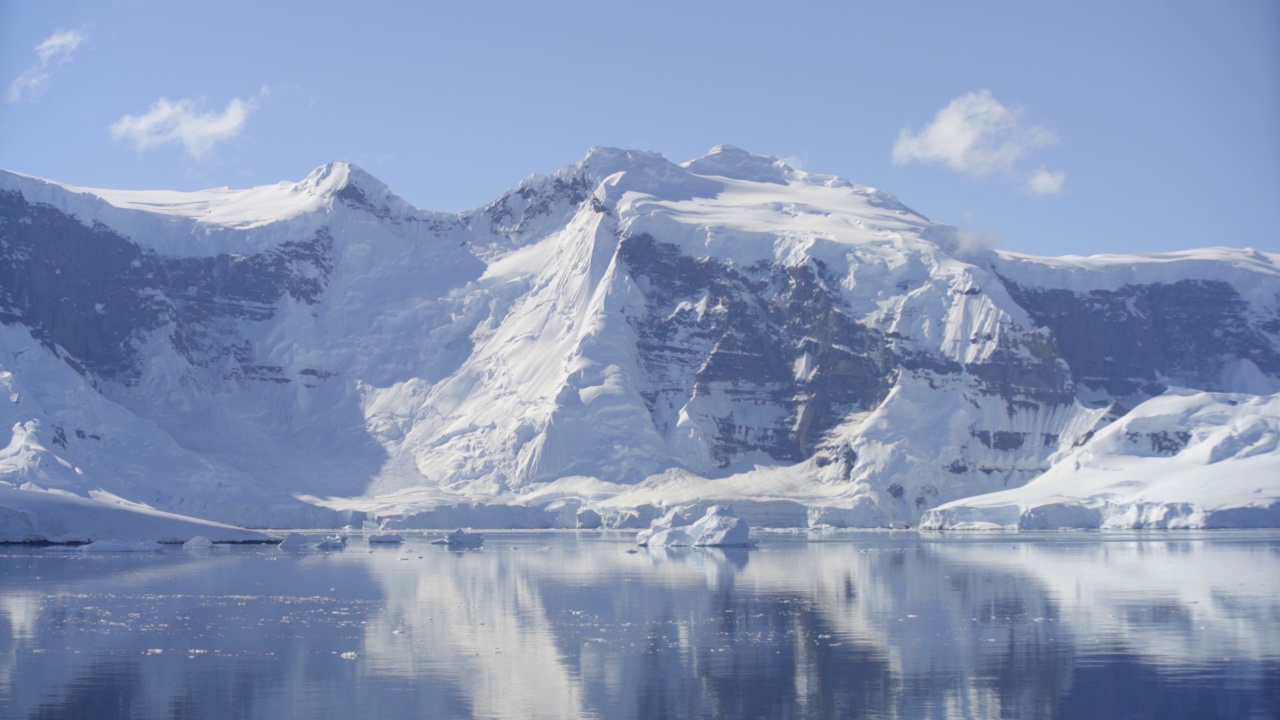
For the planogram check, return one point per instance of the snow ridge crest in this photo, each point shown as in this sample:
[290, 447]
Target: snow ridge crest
[626, 333]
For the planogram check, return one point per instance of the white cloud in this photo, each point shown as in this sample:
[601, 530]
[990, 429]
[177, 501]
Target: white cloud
[1046, 182]
[59, 46]
[971, 243]
[52, 52]
[974, 134]
[185, 122]
[795, 162]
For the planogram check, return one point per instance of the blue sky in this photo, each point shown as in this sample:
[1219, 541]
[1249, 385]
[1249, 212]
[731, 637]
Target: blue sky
[1050, 128]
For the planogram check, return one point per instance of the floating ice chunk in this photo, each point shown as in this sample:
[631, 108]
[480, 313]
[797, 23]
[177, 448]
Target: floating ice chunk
[297, 542]
[660, 536]
[332, 542]
[199, 542]
[460, 538]
[385, 539]
[719, 527]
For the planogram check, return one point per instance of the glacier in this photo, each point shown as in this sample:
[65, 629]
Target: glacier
[627, 336]
[1180, 460]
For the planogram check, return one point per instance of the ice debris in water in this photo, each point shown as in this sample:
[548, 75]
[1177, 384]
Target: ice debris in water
[298, 542]
[122, 546]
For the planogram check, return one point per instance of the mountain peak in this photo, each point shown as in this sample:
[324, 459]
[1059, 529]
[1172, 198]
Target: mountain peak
[348, 182]
[334, 177]
[793, 343]
[738, 164]
[641, 171]
[328, 177]
[601, 161]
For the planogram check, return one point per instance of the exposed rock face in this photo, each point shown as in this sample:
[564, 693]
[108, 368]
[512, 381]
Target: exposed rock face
[93, 296]
[730, 329]
[53, 279]
[762, 336]
[1139, 338]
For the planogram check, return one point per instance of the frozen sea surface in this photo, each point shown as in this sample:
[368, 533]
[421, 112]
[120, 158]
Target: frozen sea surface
[566, 625]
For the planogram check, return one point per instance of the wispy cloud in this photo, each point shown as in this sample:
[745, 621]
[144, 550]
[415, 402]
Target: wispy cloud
[976, 135]
[186, 122]
[52, 53]
[1046, 182]
[971, 243]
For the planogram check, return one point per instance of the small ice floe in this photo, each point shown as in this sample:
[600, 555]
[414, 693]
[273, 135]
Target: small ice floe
[295, 541]
[122, 546]
[199, 542]
[460, 539]
[298, 542]
[384, 539]
[332, 542]
[720, 527]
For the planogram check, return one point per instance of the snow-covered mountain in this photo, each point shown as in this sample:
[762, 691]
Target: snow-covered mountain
[596, 346]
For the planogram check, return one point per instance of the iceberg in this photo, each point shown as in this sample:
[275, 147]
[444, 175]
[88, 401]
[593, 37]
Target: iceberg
[332, 542]
[298, 542]
[719, 527]
[460, 539]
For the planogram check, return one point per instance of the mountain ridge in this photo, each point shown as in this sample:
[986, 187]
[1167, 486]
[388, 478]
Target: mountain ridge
[598, 343]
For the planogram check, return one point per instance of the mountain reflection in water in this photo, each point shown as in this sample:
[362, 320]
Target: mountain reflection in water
[878, 625]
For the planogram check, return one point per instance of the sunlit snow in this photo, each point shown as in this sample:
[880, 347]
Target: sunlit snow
[482, 369]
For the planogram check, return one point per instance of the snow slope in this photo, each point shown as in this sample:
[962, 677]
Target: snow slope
[1177, 461]
[591, 348]
[35, 515]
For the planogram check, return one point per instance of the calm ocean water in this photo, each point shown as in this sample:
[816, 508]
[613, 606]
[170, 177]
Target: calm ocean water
[582, 625]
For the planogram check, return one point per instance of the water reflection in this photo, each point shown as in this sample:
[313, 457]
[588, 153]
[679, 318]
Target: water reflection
[563, 625]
